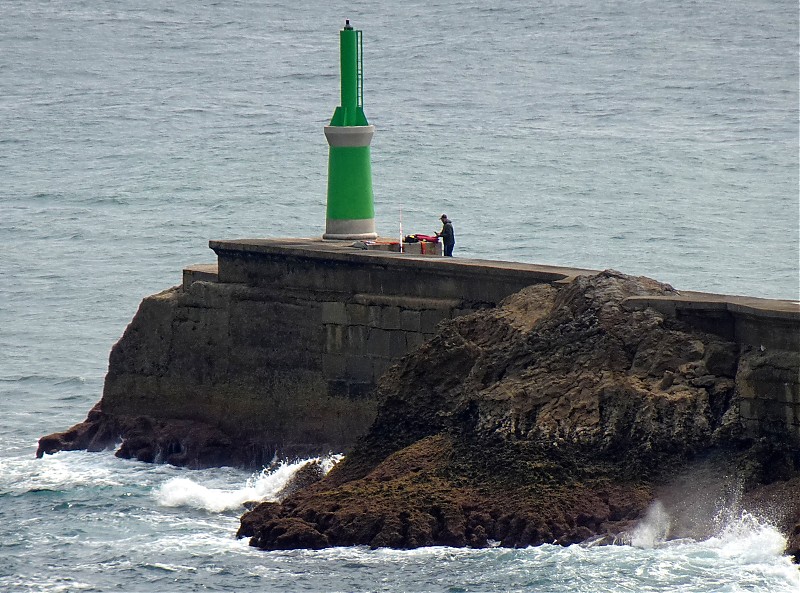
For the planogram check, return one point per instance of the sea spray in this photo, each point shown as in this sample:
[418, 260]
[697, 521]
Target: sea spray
[739, 534]
[653, 529]
[749, 538]
[129, 536]
[266, 485]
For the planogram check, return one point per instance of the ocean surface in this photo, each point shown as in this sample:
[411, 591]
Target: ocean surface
[654, 137]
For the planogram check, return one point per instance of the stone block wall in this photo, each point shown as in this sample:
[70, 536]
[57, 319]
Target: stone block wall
[768, 389]
[374, 306]
[366, 334]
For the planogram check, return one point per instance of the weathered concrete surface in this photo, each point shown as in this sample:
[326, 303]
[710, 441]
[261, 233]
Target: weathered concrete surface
[279, 346]
[763, 323]
[331, 266]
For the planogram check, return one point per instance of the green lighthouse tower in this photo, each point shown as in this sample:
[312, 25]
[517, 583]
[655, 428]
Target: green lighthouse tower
[350, 213]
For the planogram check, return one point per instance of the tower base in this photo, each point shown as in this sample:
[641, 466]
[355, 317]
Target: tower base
[362, 229]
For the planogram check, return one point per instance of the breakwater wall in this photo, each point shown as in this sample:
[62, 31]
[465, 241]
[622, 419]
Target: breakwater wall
[281, 342]
[365, 309]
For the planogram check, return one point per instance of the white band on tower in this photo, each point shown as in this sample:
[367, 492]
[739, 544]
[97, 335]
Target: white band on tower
[349, 136]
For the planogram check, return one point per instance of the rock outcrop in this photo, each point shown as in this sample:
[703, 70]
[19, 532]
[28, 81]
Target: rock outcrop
[557, 417]
[158, 439]
[219, 374]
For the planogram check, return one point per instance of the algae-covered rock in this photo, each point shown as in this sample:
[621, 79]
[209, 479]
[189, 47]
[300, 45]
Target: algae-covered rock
[555, 417]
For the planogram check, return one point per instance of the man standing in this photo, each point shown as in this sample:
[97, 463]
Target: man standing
[447, 235]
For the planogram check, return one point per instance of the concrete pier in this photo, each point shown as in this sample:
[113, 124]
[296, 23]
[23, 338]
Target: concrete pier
[368, 308]
[359, 311]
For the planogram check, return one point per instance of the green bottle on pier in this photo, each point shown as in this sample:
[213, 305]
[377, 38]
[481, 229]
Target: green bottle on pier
[350, 212]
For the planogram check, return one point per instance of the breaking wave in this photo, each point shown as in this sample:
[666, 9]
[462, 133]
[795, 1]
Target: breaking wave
[739, 533]
[263, 486]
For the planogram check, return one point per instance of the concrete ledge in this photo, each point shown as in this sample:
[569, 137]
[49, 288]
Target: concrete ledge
[411, 281]
[418, 304]
[201, 273]
[702, 301]
[367, 276]
[750, 321]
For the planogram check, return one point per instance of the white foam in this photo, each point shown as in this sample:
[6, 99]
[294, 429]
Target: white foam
[263, 486]
[743, 541]
[748, 538]
[63, 471]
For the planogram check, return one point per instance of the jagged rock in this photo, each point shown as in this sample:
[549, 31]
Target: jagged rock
[260, 513]
[268, 530]
[553, 418]
[157, 440]
[97, 433]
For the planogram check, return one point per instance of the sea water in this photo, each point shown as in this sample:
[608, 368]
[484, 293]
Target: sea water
[656, 138]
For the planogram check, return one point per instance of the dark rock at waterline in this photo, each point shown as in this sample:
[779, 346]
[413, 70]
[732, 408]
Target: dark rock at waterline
[96, 433]
[557, 417]
[158, 440]
[408, 501]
